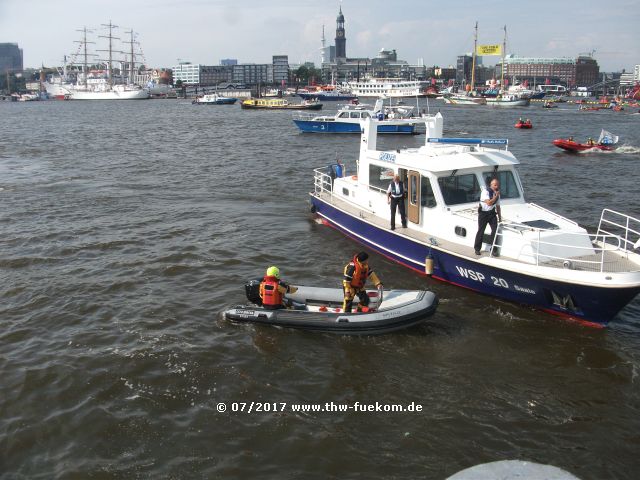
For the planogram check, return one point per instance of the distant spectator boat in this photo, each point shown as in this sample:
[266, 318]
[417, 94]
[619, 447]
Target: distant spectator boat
[214, 99]
[350, 117]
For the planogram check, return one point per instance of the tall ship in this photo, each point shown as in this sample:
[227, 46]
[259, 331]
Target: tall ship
[386, 87]
[99, 82]
[537, 257]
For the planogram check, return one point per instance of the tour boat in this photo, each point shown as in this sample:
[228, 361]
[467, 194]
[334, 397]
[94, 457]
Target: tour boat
[278, 104]
[214, 99]
[543, 260]
[463, 99]
[320, 309]
[334, 95]
[349, 118]
[387, 87]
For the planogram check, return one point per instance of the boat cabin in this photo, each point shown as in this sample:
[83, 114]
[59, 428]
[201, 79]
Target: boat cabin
[443, 180]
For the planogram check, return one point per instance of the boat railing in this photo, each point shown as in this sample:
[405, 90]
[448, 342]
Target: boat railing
[599, 252]
[322, 181]
[622, 225]
[307, 117]
[481, 142]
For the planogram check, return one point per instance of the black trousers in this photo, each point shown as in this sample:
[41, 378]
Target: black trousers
[399, 203]
[347, 305]
[485, 218]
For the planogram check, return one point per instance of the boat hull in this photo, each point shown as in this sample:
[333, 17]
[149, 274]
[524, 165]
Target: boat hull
[415, 309]
[220, 101]
[574, 147]
[315, 106]
[593, 305]
[310, 126]
[322, 97]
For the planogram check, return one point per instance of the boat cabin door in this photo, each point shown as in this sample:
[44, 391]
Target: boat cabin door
[413, 194]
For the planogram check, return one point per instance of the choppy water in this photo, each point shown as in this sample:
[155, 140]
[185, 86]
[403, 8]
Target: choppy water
[126, 228]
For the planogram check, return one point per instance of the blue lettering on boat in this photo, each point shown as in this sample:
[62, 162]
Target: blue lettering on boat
[388, 157]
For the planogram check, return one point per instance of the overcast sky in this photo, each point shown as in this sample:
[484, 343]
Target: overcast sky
[251, 31]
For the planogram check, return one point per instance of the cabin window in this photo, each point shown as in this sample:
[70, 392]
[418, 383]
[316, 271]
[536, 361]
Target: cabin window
[355, 115]
[508, 185]
[365, 115]
[427, 198]
[380, 177]
[344, 115]
[457, 189]
[414, 189]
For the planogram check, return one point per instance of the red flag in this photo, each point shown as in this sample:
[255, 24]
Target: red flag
[547, 82]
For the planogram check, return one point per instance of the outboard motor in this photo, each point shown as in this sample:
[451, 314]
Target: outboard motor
[252, 290]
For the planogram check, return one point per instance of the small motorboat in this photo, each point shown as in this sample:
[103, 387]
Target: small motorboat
[320, 309]
[606, 142]
[524, 124]
[549, 104]
[214, 99]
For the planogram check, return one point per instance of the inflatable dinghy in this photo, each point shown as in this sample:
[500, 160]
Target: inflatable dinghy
[320, 309]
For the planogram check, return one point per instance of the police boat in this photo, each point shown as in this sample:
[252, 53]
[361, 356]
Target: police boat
[320, 309]
[537, 258]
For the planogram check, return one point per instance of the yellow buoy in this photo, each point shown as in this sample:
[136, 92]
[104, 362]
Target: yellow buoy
[428, 265]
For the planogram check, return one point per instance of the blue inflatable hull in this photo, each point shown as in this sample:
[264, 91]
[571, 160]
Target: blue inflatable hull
[593, 305]
[311, 126]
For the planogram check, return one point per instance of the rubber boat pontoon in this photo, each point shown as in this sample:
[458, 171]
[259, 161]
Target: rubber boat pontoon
[320, 309]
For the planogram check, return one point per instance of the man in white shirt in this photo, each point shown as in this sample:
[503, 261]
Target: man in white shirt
[395, 197]
[488, 213]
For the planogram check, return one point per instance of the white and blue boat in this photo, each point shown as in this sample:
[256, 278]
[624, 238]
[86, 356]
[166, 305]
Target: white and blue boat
[214, 99]
[350, 117]
[545, 260]
[328, 95]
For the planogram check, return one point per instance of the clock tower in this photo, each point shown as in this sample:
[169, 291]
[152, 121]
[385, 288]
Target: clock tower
[341, 41]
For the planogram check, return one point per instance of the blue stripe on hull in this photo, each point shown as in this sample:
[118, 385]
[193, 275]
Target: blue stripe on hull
[592, 304]
[309, 126]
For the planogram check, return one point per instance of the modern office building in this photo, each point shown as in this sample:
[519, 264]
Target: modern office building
[204, 75]
[280, 69]
[11, 58]
[253, 73]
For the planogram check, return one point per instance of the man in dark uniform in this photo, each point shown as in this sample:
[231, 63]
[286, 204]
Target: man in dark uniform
[395, 197]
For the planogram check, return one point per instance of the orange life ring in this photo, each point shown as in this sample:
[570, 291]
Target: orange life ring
[354, 177]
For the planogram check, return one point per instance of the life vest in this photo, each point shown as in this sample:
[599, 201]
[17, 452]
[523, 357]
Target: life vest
[360, 274]
[270, 293]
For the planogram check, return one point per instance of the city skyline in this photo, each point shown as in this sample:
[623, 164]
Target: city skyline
[206, 31]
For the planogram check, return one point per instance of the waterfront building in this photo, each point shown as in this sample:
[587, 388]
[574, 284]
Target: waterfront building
[253, 73]
[340, 68]
[280, 69]
[203, 75]
[582, 71]
[11, 58]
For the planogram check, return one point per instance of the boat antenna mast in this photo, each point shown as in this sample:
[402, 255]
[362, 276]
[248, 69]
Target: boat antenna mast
[473, 59]
[111, 38]
[83, 45]
[504, 52]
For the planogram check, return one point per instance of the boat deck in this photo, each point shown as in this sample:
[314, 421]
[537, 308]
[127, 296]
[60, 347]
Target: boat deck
[610, 262]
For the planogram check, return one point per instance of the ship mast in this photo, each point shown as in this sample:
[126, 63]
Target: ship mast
[473, 61]
[83, 43]
[110, 26]
[131, 43]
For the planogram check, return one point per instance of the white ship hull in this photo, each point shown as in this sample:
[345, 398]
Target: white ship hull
[114, 94]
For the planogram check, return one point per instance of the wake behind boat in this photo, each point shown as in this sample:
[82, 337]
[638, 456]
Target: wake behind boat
[545, 260]
[319, 309]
